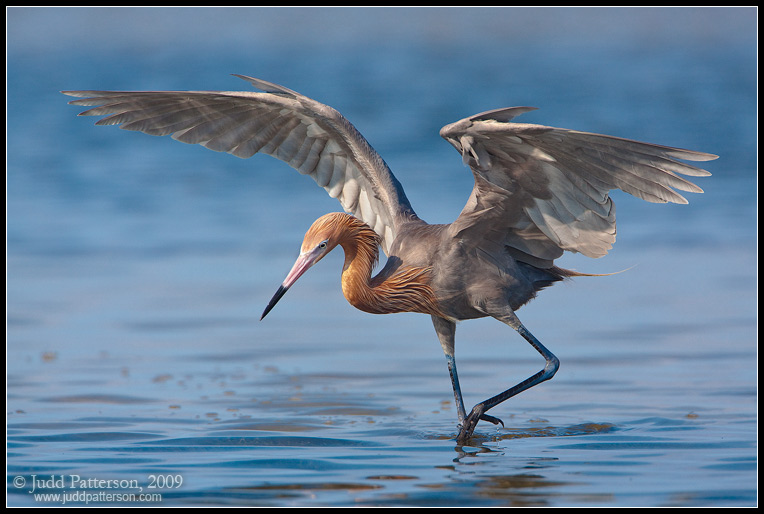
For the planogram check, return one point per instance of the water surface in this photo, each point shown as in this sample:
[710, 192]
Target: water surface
[138, 267]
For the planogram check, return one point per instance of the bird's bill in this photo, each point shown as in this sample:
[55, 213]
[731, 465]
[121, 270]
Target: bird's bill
[302, 264]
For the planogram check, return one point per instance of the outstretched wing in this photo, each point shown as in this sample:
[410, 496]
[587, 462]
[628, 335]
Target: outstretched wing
[309, 136]
[540, 191]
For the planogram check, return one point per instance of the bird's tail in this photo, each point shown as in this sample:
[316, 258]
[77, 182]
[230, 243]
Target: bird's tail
[569, 273]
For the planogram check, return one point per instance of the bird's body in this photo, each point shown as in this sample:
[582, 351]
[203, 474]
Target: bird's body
[539, 191]
[462, 276]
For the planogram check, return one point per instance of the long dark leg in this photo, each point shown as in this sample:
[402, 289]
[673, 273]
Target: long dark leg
[550, 368]
[446, 331]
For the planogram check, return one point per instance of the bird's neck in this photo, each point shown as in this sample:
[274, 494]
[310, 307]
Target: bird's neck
[406, 289]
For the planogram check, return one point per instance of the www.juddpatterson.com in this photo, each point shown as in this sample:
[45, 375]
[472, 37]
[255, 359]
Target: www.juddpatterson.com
[77, 489]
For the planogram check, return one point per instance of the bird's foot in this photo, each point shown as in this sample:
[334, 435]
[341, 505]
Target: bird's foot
[495, 421]
[468, 427]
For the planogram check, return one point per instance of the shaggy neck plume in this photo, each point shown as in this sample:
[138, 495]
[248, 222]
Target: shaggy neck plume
[405, 290]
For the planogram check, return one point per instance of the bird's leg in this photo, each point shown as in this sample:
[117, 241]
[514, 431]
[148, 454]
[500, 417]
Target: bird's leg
[460, 402]
[457, 390]
[550, 368]
[446, 331]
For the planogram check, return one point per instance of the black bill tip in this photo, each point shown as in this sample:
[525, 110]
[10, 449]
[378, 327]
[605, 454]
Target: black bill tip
[276, 297]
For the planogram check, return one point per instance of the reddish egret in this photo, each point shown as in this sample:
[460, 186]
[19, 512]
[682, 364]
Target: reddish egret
[538, 192]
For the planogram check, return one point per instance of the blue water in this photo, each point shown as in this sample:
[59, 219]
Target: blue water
[137, 268]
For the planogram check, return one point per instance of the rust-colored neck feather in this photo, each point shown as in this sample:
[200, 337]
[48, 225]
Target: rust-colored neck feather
[406, 290]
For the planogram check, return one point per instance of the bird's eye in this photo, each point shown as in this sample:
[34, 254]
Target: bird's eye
[322, 244]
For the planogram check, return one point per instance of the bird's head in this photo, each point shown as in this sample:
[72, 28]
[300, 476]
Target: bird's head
[320, 239]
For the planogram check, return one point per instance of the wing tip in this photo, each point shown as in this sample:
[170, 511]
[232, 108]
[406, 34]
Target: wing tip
[503, 115]
[79, 95]
[267, 87]
[690, 155]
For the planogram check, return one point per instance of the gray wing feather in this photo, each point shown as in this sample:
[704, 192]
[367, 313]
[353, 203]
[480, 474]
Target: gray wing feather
[309, 136]
[540, 191]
